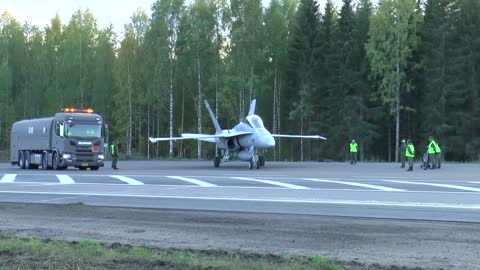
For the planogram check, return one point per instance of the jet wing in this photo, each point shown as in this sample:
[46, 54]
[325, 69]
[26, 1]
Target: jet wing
[299, 136]
[201, 137]
[224, 134]
[154, 140]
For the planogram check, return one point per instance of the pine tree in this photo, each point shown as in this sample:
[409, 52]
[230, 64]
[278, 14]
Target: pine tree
[303, 65]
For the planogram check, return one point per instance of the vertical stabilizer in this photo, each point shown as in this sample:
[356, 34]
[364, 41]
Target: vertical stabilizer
[214, 119]
[252, 107]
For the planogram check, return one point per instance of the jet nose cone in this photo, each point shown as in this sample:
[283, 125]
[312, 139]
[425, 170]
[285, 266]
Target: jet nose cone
[269, 142]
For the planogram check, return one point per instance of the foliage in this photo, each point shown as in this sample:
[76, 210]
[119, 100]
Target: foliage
[336, 71]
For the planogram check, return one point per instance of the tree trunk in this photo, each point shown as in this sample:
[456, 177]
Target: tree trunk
[129, 129]
[148, 129]
[170, 122]
[182, 123]
[217, 71]
[199, 108]
[279, 114]
[158, 130]
[389, 143]
[301, 139]
[274, 128]
[397, 118]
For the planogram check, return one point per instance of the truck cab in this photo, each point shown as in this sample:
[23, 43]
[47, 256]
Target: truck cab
[77, 141]
[72, 137]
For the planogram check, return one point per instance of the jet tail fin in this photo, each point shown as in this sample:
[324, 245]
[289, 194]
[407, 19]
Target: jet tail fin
[214, 119]
[252, 107]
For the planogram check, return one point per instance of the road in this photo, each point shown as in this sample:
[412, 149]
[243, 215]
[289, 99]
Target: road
[422, 218]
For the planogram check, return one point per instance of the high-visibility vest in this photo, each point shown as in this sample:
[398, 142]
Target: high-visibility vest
[353, 147]
[112, 149]
[431, 147]
[410, 151]
[437, 148]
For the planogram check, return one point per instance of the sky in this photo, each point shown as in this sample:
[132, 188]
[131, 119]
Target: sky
[116, 12]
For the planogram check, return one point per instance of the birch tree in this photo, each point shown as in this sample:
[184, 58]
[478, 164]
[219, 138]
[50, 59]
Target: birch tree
[393, 37]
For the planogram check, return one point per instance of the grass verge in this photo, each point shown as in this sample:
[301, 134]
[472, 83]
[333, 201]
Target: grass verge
[32, 253]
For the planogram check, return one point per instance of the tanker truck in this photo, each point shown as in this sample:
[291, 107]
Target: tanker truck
[72, 137]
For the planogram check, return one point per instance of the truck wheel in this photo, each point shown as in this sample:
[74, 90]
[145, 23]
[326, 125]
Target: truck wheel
[45, 161]
[27, 160]
[21, 160]
[82, 168]
[55, 161]
[94, 168]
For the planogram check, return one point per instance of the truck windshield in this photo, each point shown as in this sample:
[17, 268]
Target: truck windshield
[84, 130]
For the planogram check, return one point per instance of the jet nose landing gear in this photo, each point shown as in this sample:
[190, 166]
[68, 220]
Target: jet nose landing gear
[255, 161]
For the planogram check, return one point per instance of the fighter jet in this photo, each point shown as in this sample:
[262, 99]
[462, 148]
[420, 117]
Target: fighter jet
[244, 139]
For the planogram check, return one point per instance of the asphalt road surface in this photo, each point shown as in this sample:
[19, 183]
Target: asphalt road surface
[367, 213]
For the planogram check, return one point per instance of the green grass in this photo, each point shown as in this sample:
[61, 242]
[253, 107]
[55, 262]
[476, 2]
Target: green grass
[22, 253]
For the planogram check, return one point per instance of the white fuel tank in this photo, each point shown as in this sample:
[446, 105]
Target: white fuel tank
[244, 155]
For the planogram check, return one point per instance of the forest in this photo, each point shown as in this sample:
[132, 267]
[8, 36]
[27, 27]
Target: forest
[373, 71]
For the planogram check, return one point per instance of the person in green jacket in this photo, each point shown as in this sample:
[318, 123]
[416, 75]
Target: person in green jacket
[410, 154]
[353, 152]
[114, 153]
[431, 153]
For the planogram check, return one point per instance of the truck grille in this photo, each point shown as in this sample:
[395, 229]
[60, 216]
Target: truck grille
[85, 157]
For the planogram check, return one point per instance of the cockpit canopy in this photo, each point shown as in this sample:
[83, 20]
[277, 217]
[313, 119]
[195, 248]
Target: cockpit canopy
[255, 121]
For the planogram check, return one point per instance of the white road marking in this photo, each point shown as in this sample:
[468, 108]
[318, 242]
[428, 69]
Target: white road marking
[8, 178]
[65, 179]
[275, 183]
[62, 198]
[355, 184]
[470, 182]
[435, 185]
[127, 180]
[193, 181]
[341, 202]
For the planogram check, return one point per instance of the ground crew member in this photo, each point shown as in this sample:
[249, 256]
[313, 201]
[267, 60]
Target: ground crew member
[431, 153]
[410, 154]
[114, 153]
[353, 152]
[438, 155]
[402, 149]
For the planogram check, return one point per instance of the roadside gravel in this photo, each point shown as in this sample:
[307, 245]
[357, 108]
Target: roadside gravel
[357, 243]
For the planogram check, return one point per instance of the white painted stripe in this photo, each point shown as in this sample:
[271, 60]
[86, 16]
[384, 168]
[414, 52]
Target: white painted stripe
[475, 182]
[435, 185]
[311, 201]
[127, 180]
[355, 184]
[270, 182]
[8, 178]
[65, 179]
[193, 181]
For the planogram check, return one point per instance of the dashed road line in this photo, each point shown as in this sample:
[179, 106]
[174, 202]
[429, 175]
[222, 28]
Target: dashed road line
[65, 179]
[127, 180]
[8, 178]
[436, 185]
[355, 184]
[193, 181]
[275, 183]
